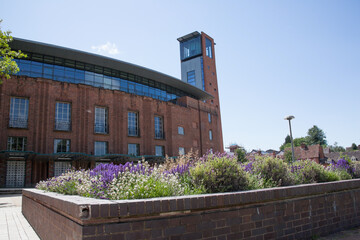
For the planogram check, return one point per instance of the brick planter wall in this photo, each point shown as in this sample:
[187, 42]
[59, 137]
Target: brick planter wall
[296, 212]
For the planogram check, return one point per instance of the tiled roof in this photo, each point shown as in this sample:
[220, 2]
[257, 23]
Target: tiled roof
[336, 155]
[308, 152]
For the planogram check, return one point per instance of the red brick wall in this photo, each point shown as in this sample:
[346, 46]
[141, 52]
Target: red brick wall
[44, 93]
[296, 212]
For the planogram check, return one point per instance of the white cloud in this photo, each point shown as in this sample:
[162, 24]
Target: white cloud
[107, 48]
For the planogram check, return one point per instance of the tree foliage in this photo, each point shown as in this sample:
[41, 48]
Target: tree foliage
[354, 147]
[336, 148]
[7, 64]
[316, 136]
[241, 154]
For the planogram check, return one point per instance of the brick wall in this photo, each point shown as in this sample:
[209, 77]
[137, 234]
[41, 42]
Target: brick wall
[43, 94]
[296, 212]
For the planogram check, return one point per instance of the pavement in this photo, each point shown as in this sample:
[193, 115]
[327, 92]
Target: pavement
[14, 226]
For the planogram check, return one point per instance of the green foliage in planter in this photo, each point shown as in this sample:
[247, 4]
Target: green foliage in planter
[219, 174]
[307, 171]
[274, 171]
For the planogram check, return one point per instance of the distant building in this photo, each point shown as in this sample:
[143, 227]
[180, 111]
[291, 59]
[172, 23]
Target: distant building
[312, 152]
[335, 156]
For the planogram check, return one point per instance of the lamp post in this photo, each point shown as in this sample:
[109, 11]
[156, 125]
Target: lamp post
[292, 142]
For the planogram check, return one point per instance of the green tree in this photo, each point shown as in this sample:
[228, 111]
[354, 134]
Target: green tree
[316, 136]
[7, 64]
[297, 143]
[336, 148]
[354, 147]
[241, 154]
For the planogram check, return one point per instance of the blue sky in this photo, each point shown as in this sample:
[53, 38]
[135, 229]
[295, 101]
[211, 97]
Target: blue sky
[274, 58]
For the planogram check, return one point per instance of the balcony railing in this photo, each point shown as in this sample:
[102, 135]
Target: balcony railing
[18, 122]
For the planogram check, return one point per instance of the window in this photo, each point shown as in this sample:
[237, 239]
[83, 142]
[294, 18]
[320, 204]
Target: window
[208, 47]
[159, 128]
[181, 130]
[191, 77]
[133, 149]
[19, 109]
[61, 167]
[101, 148]
[61, 145]
[159, 150]
[181, 151]
[209, 117]
[210, 135]
[133, 125]
[190, 48]
[62, 116]
[16, 143]
[101, 120]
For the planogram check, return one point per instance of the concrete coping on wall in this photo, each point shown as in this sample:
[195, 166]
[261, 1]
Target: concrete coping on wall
[86, 211]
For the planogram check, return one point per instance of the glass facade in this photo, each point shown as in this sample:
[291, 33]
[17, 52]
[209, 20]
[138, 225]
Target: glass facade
[101, 120]
[19, 110]
[191, 77]
[190, 48]
[208, 48]
[62, 116]
[61, 145]
[70, 71]
[133, 124]
[133, 149]
[159, 128]
[100, 148]
[17, 143]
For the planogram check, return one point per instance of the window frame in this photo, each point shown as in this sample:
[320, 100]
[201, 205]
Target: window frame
[211, 135]
[137, 129]
[162, 150]
[59, 121]
[106, 148]
[159, 127]
[182, 132]
[67, 145]
[12, 139]
[98, 124]
[19, 112]
[137, 149]
[181, 151]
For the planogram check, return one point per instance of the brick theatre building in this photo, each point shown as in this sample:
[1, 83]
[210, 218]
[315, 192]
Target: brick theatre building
[68, 108]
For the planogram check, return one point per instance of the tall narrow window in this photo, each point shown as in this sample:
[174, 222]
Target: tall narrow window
[101, 120]
[63, 116]
[208, 47]
[61, 145]
[181, 130]
[191, 77]
[19, 109]
[133, 125]
[100, 148]
[209, 117]
[17, 143]
[159, 128]
[159, 150]
[210, 135]
[181, 151]
[133, 149]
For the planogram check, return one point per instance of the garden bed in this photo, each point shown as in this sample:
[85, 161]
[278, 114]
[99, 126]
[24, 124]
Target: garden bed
[293, 212]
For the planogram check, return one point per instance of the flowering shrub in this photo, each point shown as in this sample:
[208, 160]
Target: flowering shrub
[342, 169]
[307, 171]
[189, 174]
[219, 173]
[274, 171]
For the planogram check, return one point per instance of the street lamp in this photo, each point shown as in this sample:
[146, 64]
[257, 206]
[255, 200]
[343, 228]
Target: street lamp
[291, 138]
